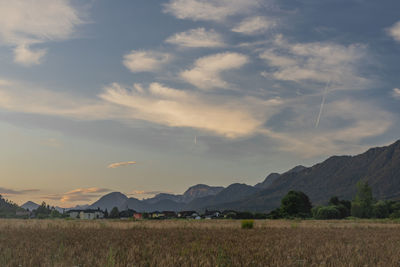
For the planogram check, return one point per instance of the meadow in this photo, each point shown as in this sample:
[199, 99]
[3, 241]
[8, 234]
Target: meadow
[199, 243]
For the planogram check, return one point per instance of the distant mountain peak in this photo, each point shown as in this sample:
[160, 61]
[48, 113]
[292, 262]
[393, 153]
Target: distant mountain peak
[30, 205]
[109, 201]
[200, 190]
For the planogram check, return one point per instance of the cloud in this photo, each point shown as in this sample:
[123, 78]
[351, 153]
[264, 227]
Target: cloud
[120, 164]
[394, 31]
[199, 37]
[52, 142]
[145, 61]
[8, 191]
[206, 72]
[225, 116]
[214, 10]
[27, 57]
[27, 98]
[254, 25]
[316, 62]
[396, 93]
[147, 193]
[25, 23]
[80, 194]
[345, 124]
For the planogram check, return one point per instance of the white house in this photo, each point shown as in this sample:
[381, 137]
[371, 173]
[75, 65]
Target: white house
[86, 214]
[91, 214]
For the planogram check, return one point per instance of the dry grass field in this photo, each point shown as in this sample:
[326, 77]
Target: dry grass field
[199, 243]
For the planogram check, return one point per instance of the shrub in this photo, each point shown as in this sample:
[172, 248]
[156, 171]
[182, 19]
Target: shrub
[326, 213]
[395, 215]
[247, 224]
[380, 209]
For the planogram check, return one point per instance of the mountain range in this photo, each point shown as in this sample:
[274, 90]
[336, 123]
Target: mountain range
[336, 176]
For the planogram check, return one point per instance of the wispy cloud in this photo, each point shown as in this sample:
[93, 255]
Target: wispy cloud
[24, 24]
[8, 191]
[25, 56]
[228, 116]
[394, 31]
[206, 71]
[199, 37]
[231, 117]
[346, 124]
[121, 164]
[145, 61]
[27, 98]
[396, 93]
[316, 62]
[254, 25]
[213, 10]
[78, 195]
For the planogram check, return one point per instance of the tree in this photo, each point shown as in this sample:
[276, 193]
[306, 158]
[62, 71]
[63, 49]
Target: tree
[361, 206]
[106, 214]
[296, 204]
[381, 209]
[114, 213]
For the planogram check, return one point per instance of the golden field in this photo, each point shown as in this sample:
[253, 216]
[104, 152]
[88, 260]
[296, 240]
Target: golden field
[199, 243]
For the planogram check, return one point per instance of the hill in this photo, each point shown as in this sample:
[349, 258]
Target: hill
[336, 176]
[8, 209]
[30, 206]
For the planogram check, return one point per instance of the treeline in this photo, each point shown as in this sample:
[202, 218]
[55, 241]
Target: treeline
[44, 211]
[8, 209]
[297, 204]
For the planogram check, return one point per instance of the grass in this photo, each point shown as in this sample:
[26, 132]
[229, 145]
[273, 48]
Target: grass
[247, 224]
[199, 243]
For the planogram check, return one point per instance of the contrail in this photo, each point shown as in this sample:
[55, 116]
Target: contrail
[321, 108]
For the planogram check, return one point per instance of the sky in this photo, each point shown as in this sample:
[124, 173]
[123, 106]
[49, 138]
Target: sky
[143, 97]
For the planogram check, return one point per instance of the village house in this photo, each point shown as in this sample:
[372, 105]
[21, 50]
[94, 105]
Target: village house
[212, 214]
[187, 214]
[157, 215]
[86, 214]
[138, 216]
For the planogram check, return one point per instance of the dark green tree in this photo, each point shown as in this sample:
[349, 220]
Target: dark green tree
[114, 213]
[296, 204]
[381, 209]
[361, 206]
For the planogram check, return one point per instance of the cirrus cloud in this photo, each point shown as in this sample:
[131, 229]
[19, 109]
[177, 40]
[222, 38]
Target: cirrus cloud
[396, 93]
[254, 25]
[77, 195]
[120, 164]
[394, 31]
[213, 10]
[206, 71]
[225, 116]
[199, 37]
[25, 23]
[317, 62]
[145, 61]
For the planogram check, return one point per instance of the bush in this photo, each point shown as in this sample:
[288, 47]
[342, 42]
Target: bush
[381, 209]
[326, 213]
[247, 224]
[395, 215]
